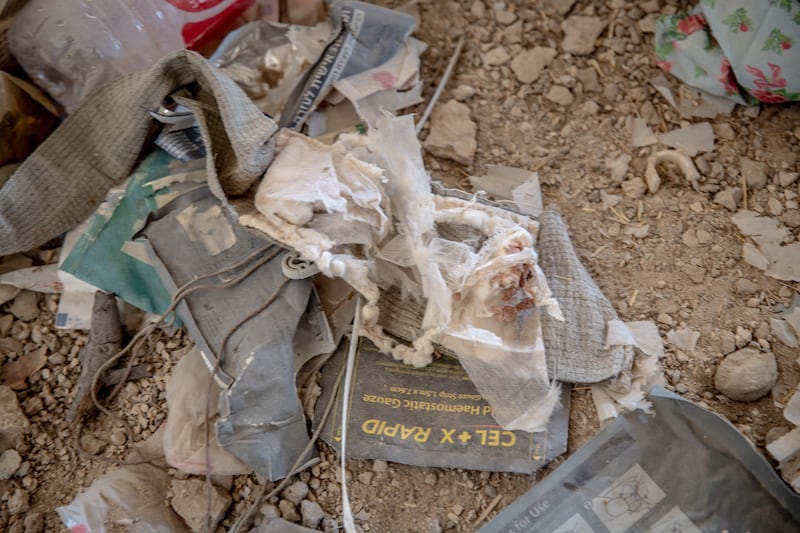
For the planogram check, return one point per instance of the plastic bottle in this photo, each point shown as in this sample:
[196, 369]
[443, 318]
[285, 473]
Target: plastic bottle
[71, 48]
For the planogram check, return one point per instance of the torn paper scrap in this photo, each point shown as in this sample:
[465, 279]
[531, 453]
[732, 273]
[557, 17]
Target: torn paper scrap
[610, 400]
[778, 260]
[641, 334]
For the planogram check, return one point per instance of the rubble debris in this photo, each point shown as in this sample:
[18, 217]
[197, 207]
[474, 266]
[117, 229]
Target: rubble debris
[10, 460]
[754, 172]
[683, 339]
[786, 450]
[190, 503]
[496, 57]
[683, 162]
[634, 188]
[742, 337]
[463, 92]
[729, 198]
[311, 513]
[767, 251]
[453, 133]
[296, 492]
[529, 64]
[560, 95]
[641, 133]
[782, 331]
[13, 423]
[785, 179]
[581, 33]
[690, 140]
[18, 502]
[746, 375]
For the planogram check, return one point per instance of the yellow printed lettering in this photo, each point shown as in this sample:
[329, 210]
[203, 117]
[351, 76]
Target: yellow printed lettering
[447, 436]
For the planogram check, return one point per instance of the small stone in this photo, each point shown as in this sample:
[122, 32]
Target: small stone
[580, 34]
[496, 57]
[5, 325]
[432, 525]
[34, 523]
[289, 511]
[664, 318]
[118, 437]
[681, 388]
[703, 237]
[774, 434]
[529, 64]
[463, 92]
[513, 33]
[365, 477]
[746, 375]
[296, 492]
[19, 502]
[724, 131]
[729, 198]
[754, 172]
[33, 406]
[787, 178]
[379, 465]
[689, 238]
[696, 273]
[13, 423]
[92, 445]
[742, 337]
[791, 217]
[189, 501]
[311, 513]
[783, 332]
[588, 78]
[634, 188]
[25, 306]
[590, 108]
[746, 287]
[477, 9]
[560, 95]
[270, 511]
[505, 17]
[57, 359]
[775, 206]
[452, 134]
[10, 462]
[727, 342]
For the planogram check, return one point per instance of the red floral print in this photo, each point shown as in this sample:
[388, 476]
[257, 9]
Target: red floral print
[691, 24]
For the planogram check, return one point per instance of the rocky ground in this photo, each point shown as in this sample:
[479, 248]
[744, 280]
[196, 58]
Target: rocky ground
[550, 86]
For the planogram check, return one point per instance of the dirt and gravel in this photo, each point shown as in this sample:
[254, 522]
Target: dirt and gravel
[548, 96]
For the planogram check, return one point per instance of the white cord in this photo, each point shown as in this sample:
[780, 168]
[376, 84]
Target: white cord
[347, 513]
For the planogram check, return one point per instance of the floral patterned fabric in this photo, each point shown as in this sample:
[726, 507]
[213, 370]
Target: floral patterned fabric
[747, 50]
